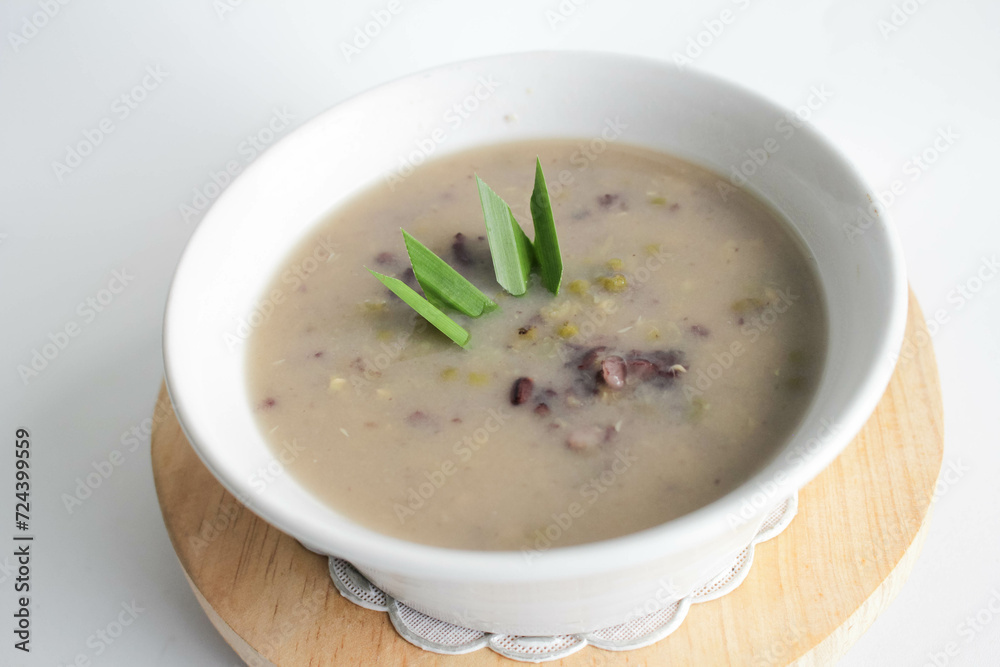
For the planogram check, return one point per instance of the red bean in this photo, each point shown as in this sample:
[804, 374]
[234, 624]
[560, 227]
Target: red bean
[614, 371]
[520, 392]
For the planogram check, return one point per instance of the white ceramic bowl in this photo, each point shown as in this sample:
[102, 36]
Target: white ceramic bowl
[249, 231]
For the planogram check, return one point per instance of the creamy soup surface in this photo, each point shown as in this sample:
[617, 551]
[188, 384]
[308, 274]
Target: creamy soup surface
[679, 355]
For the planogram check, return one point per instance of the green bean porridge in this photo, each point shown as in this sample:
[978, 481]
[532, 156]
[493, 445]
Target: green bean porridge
[680, 353]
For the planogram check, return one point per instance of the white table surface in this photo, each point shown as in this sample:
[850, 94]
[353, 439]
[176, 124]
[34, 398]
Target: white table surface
[225, 72]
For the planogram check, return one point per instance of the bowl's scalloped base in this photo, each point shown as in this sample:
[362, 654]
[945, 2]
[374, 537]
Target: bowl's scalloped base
[442, 637]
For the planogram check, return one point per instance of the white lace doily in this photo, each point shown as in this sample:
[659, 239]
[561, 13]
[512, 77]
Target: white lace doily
[431, 634]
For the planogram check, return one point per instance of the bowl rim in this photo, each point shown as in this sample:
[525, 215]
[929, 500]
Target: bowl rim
[380, 551]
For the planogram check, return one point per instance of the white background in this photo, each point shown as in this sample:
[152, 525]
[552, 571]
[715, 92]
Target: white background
[226, 73]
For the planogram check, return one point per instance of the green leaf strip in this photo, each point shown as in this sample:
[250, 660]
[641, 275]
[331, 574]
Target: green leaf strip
[546, 241]
[509, 245]
[443, 284]
[425, 308]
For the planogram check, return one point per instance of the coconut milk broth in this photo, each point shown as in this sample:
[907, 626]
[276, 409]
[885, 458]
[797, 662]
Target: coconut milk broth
[694, 296]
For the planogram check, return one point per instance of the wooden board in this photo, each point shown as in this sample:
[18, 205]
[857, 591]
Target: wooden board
[810, 594]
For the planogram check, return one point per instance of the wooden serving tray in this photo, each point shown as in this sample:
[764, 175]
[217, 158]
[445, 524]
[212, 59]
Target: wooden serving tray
[811, 593]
